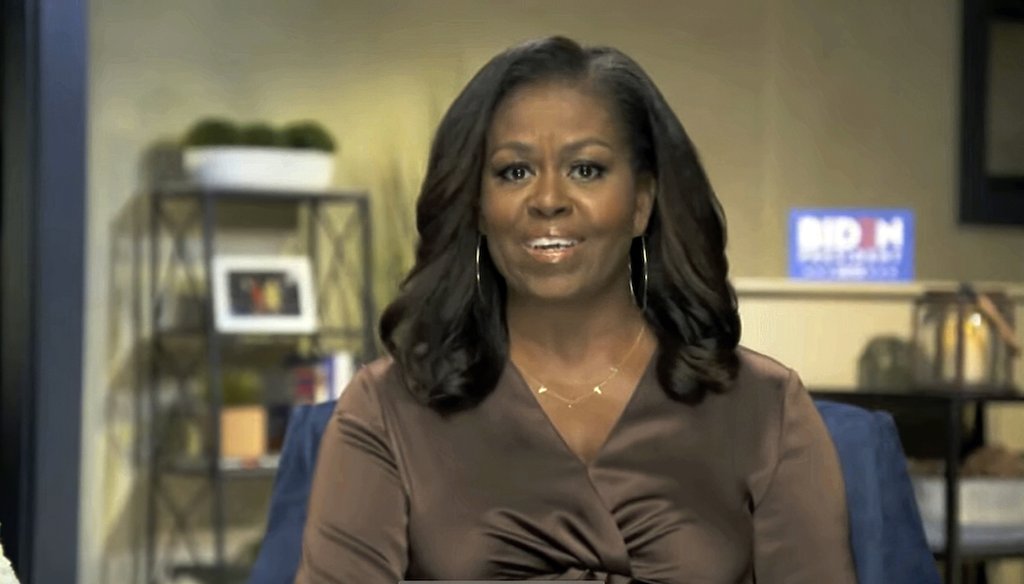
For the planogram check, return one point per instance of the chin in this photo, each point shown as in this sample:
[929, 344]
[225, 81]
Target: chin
[552, 292]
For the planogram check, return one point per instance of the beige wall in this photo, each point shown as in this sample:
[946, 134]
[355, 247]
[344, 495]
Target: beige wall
[791, 103]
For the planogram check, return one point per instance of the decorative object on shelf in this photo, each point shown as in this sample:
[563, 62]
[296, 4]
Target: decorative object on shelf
[886, 364]
[965, 339]
[298, 157]
[243, 420]
[984, 501]
[320, 379]
[991, 490]
[264, 294]
[995, 460]
[340, 367]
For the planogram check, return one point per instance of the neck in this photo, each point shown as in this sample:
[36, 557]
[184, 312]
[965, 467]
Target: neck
[572, 333]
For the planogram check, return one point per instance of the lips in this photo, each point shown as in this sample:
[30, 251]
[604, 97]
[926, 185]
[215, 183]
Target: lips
[551, 249]
[552, 243]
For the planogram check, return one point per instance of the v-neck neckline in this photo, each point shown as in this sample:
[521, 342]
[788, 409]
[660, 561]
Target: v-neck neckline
[524, 388]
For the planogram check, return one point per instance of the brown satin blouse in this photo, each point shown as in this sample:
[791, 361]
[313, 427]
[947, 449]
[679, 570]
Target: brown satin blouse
[744, 487]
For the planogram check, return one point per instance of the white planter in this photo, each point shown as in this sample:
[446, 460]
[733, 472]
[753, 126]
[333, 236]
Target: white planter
[242, 167]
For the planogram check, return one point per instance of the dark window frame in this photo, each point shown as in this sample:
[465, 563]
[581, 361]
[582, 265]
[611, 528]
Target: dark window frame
[984, 199]
[44, 108]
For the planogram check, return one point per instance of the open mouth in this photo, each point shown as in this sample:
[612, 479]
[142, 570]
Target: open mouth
[551, 243]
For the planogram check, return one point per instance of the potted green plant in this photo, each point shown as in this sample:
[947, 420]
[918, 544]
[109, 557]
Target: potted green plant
[219, 153]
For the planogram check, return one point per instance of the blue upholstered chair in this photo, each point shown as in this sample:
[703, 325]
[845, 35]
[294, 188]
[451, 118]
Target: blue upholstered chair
[886, 532]
[887, 536]
[281, 549]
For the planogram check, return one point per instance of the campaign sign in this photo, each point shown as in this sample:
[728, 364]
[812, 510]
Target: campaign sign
[860, 245]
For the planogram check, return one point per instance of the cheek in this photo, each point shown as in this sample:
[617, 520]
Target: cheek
[617, 216]
[494, 224]
[485, 220]
[498, 252]
[496, 216]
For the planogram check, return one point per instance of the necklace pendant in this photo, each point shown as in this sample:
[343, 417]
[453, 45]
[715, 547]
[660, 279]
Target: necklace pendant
[597, 389]
[542, 389]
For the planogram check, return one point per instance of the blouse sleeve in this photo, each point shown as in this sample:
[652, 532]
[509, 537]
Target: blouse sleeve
[356, 525]
[801, 532]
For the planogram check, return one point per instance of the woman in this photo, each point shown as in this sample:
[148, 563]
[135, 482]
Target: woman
[564, 397]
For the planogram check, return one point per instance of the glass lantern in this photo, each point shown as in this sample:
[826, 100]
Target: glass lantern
[964, 340]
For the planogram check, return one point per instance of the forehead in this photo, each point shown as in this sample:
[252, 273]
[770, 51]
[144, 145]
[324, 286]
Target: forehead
[555, 109]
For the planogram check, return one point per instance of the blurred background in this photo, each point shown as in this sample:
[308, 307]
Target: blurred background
[791, 103]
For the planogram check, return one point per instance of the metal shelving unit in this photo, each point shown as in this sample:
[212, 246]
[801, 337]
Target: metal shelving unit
[948, 408]
[334, 231]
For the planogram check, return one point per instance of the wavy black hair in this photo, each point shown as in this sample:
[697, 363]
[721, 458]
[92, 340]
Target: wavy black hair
[446, 329]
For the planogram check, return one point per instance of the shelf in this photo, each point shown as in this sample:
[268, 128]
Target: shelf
[212, 574]
[200, 334]
[979, 542]
[184, 358]
[786, 289]
[186, 191]
[256, 347]
[929, 393]
[230, 468]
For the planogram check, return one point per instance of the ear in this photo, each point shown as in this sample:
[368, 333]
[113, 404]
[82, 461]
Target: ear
[646, 187]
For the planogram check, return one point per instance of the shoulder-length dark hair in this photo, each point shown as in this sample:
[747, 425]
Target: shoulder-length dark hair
[446, 329]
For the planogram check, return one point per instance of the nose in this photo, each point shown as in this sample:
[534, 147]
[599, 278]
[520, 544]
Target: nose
[549, 200]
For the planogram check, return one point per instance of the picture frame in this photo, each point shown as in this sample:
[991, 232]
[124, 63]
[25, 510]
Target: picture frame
[263, 295]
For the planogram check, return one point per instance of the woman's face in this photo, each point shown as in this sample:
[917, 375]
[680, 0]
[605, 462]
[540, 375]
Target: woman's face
[560, 201]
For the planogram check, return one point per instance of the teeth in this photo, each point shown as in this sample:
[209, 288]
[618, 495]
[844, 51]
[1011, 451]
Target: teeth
[552, 243]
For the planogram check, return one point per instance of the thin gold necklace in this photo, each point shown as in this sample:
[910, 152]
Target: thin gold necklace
[543, 389]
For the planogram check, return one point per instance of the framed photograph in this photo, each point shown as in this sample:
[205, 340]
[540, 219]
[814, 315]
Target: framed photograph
[264, 294]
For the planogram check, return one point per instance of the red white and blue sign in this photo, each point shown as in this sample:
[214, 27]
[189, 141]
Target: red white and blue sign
[851, 245]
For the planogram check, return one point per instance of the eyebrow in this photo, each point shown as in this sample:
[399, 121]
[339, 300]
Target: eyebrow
[524, 148]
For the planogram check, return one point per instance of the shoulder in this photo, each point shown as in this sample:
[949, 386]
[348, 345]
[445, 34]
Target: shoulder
[764, 393]
[756, 401]
[774, 417]
[758, 391]
[378, 375]
[758, 372]
[771, 390]
[373, 390]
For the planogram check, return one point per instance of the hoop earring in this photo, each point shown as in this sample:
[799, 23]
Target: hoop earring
[642, 301]
[643, 249]
[479, 288]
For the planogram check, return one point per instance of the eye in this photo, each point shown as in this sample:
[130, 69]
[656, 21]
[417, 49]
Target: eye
[587, 171]
[513, 172]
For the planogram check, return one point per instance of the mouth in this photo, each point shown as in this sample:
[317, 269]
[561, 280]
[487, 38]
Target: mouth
[551, 250]
[552, 243]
